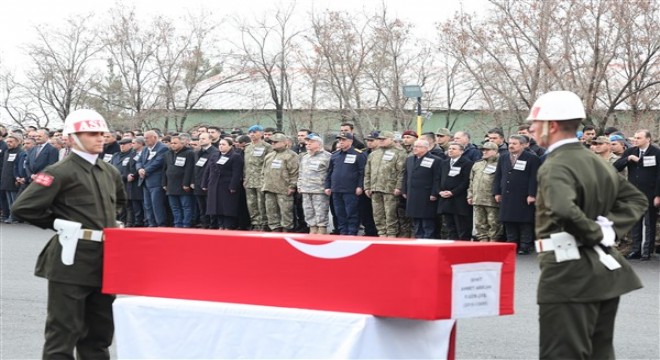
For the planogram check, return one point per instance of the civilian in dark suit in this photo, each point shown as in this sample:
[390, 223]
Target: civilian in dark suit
[201, 163]
[40, 156]
[514, 188]
[110, 146]
[120, 161]
[643, 164]
[150, 170]
[133, 191]
[469, 150]
[454, 182]
[178, 176]
[20, 166]
[8, 183]
[421, 178]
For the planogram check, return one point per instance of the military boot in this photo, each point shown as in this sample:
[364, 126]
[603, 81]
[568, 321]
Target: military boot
[321, 230]
[313, 229]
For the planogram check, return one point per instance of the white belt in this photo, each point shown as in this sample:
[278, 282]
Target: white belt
[92, 235]
[544, 245]
[567, 250]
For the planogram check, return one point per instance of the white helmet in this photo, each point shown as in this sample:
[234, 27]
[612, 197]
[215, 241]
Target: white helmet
[84, 120]
[557, 106]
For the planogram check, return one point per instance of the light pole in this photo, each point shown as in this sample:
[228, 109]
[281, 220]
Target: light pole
[415, 91]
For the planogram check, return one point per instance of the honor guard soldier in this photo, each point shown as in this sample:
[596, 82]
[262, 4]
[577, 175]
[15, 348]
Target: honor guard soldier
[79, 197]
[582, 274]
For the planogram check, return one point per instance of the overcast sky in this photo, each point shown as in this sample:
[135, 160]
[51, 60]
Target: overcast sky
[17, 21]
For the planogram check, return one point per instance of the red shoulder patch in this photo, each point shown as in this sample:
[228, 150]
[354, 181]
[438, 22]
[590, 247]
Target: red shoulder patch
[44, 179]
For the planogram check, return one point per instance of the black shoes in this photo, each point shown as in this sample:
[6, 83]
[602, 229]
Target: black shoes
[637, 255]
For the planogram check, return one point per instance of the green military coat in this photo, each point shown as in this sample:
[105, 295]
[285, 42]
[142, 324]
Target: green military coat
[73, 189]
[574, 187]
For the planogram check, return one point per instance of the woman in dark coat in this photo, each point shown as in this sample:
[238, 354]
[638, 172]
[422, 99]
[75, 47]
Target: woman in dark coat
[222, 179]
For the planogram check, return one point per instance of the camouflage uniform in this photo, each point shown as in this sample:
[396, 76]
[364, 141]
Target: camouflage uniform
[612, 159]
[311, 184]
[255, 153]
[486, 209]
[280, 175]
[382, 174]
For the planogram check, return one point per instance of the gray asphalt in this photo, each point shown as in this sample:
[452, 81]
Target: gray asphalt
[23, 304]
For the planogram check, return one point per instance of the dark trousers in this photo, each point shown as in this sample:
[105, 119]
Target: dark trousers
[458, 227]
[243, 213]
[79, 317]
[367, 216]
[10, 197]
[136, 218]
[4, 206]
[424, 228]
[227, 222]
[520, 233]
[299, 223]
[335, 220]
[577, 330]
[182, 209]
[440, 232]
[206, 221]
[155, 208]
[649, 221]
[346, 208]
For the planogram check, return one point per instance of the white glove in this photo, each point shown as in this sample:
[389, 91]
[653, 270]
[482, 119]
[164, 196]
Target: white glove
[608, 231]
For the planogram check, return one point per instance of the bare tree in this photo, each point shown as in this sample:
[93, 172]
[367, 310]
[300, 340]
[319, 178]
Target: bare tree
[602, 50]
[132, 50]
[345, 44]
[61, 75]
[18, 104]
[311, 63]
[633, 78]
[269, 49]
[189, 67]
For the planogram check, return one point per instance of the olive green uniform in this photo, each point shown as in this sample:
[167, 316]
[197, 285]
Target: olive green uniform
[79, 315]
[578, 299]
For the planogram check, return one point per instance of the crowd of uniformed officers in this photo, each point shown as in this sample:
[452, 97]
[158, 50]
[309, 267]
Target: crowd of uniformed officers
[430, 185]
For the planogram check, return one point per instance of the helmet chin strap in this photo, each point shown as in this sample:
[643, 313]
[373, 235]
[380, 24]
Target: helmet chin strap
[545, 132]
[81, 147]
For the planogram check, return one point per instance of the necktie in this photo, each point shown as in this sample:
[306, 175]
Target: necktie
[39, 149]
[451, 163]
[641, 154]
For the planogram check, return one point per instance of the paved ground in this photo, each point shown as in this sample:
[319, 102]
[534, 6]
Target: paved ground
[23, 297]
